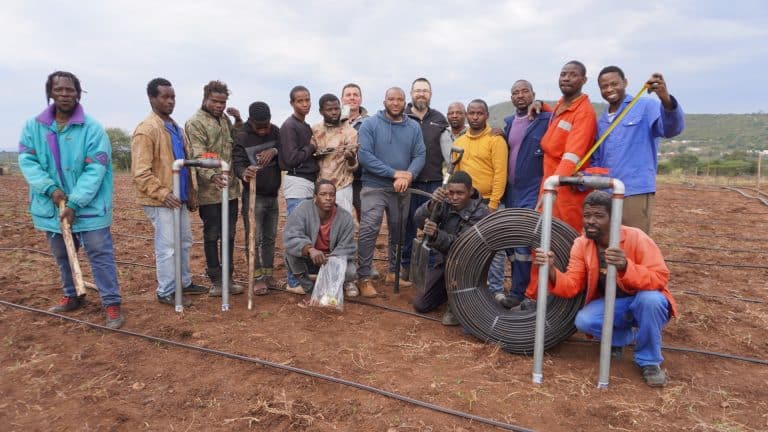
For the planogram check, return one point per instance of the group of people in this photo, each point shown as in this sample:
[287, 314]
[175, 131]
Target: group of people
[353, 163]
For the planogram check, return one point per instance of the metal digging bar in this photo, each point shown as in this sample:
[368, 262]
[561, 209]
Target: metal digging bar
[548, 199]
[202, 163]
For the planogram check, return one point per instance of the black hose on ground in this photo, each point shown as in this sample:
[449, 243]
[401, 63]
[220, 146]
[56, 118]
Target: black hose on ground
[283, 367]
[466, 275]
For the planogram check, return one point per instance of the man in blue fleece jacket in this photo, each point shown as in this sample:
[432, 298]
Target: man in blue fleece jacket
[392, 154]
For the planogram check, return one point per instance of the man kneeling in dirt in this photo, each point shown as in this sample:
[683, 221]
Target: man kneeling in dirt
[642, 298]
[315, 230]
[465, 208]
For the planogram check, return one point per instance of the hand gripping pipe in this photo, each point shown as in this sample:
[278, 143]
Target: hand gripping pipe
[550, 184]
[202, 163]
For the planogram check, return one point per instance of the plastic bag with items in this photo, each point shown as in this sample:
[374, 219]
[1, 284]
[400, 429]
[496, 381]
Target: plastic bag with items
[329, 286]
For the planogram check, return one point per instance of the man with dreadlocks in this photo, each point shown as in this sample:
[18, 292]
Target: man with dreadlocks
[65, 157]
[211, 134]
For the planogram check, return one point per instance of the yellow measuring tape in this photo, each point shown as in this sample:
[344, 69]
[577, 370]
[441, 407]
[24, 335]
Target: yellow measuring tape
[607, 132]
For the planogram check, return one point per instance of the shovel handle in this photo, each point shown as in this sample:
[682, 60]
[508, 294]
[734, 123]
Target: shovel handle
[69, 243]
[251, 238]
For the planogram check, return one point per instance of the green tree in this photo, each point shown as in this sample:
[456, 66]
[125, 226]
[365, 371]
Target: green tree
[121, 148]
[686, 161]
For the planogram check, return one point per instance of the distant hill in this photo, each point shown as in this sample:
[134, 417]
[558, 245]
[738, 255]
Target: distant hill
[706, 135]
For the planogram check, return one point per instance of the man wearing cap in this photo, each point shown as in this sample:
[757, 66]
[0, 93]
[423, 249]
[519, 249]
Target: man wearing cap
[254, 157]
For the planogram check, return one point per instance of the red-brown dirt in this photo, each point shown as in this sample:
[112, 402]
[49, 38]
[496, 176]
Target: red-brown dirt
[57, 375]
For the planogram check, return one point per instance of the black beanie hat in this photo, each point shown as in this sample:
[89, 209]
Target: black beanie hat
[259, 112]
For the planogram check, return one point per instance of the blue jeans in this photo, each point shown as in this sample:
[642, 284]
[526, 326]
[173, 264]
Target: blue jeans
[646, 310]
[101, 256]
[162, 222]
[521, 271]
[410, 227]
[496, 273]
[290, 205]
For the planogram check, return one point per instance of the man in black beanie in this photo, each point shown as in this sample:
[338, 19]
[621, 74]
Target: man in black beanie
[255, 155]
[461, 206]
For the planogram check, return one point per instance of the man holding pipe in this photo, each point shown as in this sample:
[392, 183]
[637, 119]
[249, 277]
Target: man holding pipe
[66, 157]
[630, 151]
[643, 301]
[156, 143]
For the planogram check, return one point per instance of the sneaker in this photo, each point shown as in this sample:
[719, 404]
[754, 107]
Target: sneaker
[527, 304]
[170, 299]
[367, 289]
[115, 318]
[194, 289]
[260, 287]
[298, 290]
[235, 289]
[449, 319]
[509, 302]
[403, 283]
[654, 376]
[350, 289]
[215, 290]
[67, 304]
[617, 352]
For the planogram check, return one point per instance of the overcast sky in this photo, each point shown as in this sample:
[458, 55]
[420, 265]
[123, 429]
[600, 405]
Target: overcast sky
[713, 54]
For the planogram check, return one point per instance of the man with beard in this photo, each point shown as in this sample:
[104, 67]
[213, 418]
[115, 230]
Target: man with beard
[337, 146]
[156, 143]
[65, 157]
[464, 208]
[392, 155]
[485, 160]
[523, 131]
[317, 230]
[570, 134]
[457, 126]
[643, 300]
[352, 97]
[432, 123]
[630, 151]
[260, 138]
[211, 134]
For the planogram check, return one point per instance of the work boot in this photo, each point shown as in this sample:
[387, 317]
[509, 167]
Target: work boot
[350, 289]
[215, 275]
[115, 318]
[235, 289]
[654, 376]
[403, 283]
[449, 319]
[194, 289]
[509, 302]
[68, 304]
[367, 289]
[170, 299]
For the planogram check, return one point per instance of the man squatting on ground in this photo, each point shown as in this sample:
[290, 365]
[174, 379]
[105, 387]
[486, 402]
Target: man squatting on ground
[316, 230]
[630, 151]
[156, 143]
[336, 144]
[432, 124]
[461, 206]
[65, 157]
[297, 158]
[523, 131]
[642, 298]
[485, 160]
[211, 135]
[392, 155]
[255, 156]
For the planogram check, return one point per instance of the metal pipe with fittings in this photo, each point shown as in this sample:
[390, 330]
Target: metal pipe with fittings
[548, 197]
[225, 258]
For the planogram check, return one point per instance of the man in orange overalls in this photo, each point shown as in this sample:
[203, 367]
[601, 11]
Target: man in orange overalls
[570, 134]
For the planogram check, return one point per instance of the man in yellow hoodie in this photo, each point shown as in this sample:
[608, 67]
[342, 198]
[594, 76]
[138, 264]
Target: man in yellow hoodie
[485, 160]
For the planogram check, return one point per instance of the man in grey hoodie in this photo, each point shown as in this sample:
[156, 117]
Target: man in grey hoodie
[392, 154]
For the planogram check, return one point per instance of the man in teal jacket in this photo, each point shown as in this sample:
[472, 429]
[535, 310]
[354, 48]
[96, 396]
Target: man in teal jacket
[65, 156]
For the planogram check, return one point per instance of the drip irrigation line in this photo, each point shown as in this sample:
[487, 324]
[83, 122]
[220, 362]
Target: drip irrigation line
[692, 351]
[709, 264]
[746, 195]
[282, 367]
[672, 245]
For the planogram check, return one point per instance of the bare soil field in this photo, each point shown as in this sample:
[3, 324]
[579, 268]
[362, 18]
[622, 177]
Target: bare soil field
[58, 375]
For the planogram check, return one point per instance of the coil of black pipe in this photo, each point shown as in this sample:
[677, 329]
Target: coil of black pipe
[466, 275]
